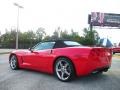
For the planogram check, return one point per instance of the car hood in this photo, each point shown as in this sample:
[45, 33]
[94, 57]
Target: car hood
[20, 51]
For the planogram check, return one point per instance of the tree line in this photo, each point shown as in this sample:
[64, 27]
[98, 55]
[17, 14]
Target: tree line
[29, 38]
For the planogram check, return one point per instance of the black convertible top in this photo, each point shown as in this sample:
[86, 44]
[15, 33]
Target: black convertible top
[52, 44]
[57, 40]
[63, 43]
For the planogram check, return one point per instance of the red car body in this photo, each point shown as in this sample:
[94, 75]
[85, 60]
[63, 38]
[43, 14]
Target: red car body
[116, 50]
[85, 59]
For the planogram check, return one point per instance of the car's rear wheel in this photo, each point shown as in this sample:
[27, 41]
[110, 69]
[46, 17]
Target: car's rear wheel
[14, 62]
[99, 72]
[64, 69]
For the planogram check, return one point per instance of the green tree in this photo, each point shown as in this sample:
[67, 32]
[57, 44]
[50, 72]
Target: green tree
[74, 35]
[8, 39]
[27, 38]
[56, 34]
[64, 35]
[40, 33]
[46, 38]
[90, 37]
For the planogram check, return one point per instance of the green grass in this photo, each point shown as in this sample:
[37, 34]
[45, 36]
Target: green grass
[4, 52]
[116, 55]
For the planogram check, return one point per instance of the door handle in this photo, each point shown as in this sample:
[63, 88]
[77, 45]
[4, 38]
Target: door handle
[50, 52]
[36, 52]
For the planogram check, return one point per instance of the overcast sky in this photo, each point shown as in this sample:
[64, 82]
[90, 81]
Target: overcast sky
[68, 14]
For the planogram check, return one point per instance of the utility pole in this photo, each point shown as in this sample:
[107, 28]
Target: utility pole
[17, 31]
[91, 28]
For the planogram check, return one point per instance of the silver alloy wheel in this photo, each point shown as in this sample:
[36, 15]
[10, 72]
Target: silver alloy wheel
[63, 70]
[13, 62]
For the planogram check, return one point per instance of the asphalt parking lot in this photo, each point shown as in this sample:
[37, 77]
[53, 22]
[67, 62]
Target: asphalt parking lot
[32, 80]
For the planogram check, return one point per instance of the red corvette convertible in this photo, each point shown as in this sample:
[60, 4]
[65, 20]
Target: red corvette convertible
[65, 59]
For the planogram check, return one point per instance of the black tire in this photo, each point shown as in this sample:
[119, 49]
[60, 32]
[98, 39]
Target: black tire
[13, 62]
[100, 72]
[64, 70]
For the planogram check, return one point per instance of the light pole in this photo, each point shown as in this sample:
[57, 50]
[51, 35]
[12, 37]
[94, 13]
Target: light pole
[18, 6]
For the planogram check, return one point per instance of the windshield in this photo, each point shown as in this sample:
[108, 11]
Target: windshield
[43, 46]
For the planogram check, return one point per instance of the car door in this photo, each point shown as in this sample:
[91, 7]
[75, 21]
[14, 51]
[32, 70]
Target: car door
[39, 55]
[43, 59]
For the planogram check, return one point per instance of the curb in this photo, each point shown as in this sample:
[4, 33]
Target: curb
[4, 53]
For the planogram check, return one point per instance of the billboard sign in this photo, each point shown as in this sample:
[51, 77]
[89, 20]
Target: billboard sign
[105, 19]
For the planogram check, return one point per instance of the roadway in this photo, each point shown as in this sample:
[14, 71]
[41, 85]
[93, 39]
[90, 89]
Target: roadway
[32, 80]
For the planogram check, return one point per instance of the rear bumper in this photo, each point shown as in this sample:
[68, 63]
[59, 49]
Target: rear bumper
[105, 69]
[86, 66]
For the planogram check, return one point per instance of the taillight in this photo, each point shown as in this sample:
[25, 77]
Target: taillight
[98, 52]
[109, 51]
[108, 54]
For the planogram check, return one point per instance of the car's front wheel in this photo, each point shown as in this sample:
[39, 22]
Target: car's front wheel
[64, 69]
[13, 62]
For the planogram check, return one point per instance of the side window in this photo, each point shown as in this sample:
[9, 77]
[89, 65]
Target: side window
[72, 43]
[59, 44]
[43, 46]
